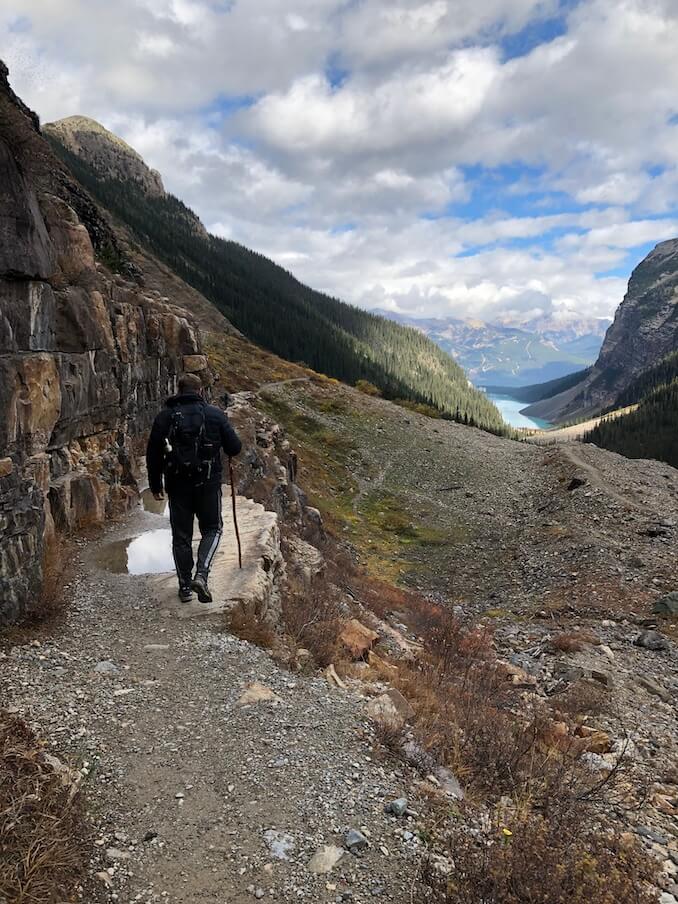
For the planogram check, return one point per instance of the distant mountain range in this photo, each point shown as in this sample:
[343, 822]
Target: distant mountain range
[500, 355]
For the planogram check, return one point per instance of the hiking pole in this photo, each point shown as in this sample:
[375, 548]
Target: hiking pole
[235, 517]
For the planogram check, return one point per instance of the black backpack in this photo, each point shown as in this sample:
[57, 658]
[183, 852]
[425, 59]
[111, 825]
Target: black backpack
[189, 451]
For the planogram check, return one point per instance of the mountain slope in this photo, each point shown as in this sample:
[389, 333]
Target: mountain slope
[506, 355]
[540, 391]
[647, 432]
[644, 331]
[260, 298]
[650, 430]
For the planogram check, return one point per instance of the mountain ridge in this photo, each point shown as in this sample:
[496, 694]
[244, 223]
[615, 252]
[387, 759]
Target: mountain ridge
[83, 134]
[267, 303]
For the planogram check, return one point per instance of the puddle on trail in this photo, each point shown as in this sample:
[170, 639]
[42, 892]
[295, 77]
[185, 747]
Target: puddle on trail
[150, 553]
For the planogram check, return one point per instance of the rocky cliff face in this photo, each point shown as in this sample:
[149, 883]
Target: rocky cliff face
[644, 331]
[86, 358]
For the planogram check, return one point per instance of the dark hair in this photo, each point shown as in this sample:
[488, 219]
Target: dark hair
[189, 383]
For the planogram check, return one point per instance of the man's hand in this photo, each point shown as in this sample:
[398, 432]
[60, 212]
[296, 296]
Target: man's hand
[159, 496]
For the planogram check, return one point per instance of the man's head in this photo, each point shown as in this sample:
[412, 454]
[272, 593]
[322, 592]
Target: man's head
[189, 383]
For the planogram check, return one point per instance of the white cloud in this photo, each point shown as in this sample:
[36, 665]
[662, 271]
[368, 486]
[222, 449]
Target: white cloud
[374, 32]
[412, 109]
[390, 152]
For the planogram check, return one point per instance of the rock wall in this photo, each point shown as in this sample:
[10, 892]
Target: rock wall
[86, 359]
[645, 330]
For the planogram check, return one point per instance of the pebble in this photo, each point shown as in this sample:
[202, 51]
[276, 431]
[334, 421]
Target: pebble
[279, 843]
[355, 841]
[397, 807]
[106, 667]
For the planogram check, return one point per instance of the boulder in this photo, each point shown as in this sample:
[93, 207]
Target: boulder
[382, 710]
[386, 669]
[390, 708]
[595, 741]
[667, 605]
[194, 363]
[652, 640]
[357, 638]
[305, 561]
[652, 687]
[355, 841]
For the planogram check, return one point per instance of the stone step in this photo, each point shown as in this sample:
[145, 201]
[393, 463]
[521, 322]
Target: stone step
[255, 586]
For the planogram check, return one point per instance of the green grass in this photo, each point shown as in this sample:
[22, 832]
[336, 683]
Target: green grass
[342, 450]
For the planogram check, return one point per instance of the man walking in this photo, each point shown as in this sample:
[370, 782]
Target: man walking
[184, 448]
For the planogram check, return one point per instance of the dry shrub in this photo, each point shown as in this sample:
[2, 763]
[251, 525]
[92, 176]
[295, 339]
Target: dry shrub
[313, 619]
[543, 861]
[390, 734]
[247, 625]
[583, 698]
[573, 641]
[469, 717]
[42, 846]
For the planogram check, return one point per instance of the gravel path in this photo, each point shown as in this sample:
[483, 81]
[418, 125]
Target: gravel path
[195, 797]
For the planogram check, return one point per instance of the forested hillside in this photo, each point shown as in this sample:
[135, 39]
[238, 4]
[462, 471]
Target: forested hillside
[651, 431]
[662, 374]
[275, 310]
[536, 392]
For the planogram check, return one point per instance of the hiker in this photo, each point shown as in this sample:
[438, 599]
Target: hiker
[185, 448]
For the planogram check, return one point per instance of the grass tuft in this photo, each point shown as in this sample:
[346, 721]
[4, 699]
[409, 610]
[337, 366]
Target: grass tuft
[42, 836]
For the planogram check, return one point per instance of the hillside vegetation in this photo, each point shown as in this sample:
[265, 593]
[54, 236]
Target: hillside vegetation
[649, 431]
[274, 309]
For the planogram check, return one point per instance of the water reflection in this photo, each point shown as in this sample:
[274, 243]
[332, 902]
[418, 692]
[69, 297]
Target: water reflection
[151, 553]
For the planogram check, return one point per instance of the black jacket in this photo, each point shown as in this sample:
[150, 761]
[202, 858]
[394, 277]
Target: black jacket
[217, 429]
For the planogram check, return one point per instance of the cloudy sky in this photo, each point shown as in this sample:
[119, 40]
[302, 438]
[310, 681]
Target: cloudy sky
[500, 159]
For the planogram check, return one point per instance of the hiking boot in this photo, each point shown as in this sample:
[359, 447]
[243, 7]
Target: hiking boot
[200, 586]
[185, 594]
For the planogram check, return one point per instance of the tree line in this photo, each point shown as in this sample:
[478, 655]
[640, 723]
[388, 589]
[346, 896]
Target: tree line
[651, 431]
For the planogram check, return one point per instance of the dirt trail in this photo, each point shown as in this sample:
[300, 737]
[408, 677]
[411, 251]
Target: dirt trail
[276, 384]
[233, 800]
[576, 457]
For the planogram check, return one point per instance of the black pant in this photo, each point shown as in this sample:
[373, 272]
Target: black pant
[203, 502]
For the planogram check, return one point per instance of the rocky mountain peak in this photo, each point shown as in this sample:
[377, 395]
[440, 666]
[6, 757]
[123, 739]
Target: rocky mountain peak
[645, 330]
[109, 154]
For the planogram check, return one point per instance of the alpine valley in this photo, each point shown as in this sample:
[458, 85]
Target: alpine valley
[440, 662]
[502, 355]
